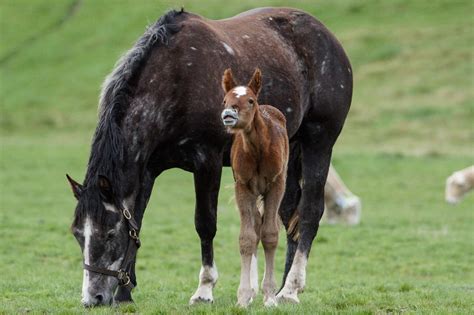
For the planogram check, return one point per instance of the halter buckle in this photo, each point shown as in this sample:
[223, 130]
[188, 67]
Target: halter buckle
[123, 277]
[127, 214]
[133, 234]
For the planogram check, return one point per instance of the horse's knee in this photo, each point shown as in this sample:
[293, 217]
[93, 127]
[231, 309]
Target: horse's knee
[206, 229]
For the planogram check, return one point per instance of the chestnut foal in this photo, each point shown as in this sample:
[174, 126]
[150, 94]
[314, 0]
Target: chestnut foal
[259, 158]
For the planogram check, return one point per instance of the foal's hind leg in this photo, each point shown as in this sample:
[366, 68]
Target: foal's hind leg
[316, 152]
[269, 236]
[207, 182]
[248, 240]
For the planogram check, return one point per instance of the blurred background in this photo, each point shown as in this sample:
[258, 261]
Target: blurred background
[410, 126]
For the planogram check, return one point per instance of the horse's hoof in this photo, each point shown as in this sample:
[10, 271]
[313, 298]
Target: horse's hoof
[201, 299]
[286, 297]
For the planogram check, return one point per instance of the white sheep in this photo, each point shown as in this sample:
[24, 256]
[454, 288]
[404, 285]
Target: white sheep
[458, 184]
[342, 206]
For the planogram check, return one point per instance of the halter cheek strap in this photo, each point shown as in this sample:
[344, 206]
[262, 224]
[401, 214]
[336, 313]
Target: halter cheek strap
[123, 274]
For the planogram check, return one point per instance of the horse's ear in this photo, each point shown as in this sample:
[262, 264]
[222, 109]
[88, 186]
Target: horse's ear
[105, 188]
[228, 82]
[255, 83]
[77, 188]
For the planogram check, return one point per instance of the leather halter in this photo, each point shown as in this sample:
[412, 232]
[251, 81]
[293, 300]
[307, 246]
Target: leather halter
[123, 274]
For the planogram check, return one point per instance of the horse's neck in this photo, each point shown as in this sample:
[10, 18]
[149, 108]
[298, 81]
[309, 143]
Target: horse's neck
[254, 137]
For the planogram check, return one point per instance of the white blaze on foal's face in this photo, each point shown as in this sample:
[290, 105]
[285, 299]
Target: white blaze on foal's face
[240, 91]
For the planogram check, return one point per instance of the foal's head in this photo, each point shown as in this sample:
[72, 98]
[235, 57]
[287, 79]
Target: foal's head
[240, 102]
[102, 234]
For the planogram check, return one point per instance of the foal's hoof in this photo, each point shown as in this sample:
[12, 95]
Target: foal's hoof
[270, 302]
[244, 303]
[245, 297]
[288, 297]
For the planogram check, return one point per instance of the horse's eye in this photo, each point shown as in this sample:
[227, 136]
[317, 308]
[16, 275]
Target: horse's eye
[110, 235]
[251, 101]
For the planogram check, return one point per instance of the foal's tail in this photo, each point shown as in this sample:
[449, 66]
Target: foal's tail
[293, 230]
[260, 205]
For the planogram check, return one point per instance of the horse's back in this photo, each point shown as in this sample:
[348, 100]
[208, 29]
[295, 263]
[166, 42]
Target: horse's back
[305, 69]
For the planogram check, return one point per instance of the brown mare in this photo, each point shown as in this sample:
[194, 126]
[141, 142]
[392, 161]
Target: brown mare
[159, 110]
[259, 159]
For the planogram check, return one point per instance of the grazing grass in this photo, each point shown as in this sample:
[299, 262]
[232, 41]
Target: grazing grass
[410, 126]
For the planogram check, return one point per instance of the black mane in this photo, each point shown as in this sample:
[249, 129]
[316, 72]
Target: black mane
[108, 152]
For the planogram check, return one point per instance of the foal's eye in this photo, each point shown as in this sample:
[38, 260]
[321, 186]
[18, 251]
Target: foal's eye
[251, 101]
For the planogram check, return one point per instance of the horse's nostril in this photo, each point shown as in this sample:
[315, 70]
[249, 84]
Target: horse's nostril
[99, 297]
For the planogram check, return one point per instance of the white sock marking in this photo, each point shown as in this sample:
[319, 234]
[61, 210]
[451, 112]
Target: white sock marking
[254, 274]
[295, 281]
[207, 279]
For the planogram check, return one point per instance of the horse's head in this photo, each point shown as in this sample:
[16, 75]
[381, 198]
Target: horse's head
[240, 102]
[102, 231]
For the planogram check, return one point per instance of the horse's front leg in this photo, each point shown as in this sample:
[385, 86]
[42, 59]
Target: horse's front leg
[207, 180]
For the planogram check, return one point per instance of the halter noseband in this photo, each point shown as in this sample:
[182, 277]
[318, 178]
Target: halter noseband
[123, 274]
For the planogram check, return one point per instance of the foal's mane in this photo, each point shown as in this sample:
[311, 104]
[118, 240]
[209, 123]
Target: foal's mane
[108, 153]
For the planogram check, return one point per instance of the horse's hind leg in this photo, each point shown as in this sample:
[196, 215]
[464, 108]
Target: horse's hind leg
[269, 237]
[316, 149]
[288, 209]
[207, 182]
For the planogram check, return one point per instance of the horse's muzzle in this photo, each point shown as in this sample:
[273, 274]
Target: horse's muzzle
[230, 117]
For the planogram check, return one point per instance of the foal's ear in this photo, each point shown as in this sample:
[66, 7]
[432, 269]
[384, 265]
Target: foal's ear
[75, 186]
[105, 188]
[255, 83]
[228, 82]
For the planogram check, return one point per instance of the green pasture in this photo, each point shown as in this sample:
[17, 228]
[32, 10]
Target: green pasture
[410, 126]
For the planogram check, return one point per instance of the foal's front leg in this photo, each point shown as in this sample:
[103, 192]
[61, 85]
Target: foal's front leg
[248, 240]
[269, 236]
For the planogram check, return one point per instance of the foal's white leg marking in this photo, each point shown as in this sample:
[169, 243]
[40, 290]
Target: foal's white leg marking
[295, 281]
[254, 274]
[87, 232]
[245, 293]
[207, 280]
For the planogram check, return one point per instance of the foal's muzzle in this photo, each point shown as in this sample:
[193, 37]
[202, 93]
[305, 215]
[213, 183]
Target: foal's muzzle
[229, 117]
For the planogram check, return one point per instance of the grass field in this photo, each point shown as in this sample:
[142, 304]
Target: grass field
[410, 126]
